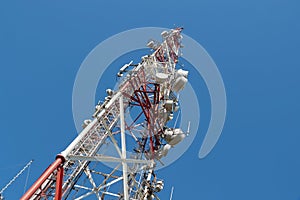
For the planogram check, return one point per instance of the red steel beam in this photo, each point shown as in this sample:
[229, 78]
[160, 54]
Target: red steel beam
[59, 182]
[57, 163]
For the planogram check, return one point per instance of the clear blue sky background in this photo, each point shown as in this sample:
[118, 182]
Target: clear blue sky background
[254, 43]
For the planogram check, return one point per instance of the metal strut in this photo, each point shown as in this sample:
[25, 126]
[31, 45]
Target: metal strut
[50, 170]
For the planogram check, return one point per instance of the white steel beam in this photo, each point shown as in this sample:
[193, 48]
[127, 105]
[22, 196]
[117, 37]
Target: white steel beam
[109, 159]
[114, 141]
[111, 194]
[123, 146]
[110, 183]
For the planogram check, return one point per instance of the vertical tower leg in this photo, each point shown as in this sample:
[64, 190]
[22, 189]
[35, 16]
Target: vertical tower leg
[59, 181]
[59, 161]
[123, 146]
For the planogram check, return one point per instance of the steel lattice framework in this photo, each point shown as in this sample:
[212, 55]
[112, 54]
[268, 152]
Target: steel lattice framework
[147, 94]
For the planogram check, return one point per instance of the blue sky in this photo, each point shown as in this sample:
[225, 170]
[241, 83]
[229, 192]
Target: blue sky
[255, 45]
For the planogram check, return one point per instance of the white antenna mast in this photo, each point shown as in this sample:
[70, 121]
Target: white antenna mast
[171, 196]
[14, 178]
[188, 129]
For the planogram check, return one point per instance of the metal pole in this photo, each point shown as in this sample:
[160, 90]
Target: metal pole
[59, 160]
[123, 146]
[171, 197]
[59, 181]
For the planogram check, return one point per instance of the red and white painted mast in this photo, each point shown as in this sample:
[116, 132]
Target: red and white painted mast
[150, 88]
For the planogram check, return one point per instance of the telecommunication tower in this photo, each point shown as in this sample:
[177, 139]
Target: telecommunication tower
[133, 118]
